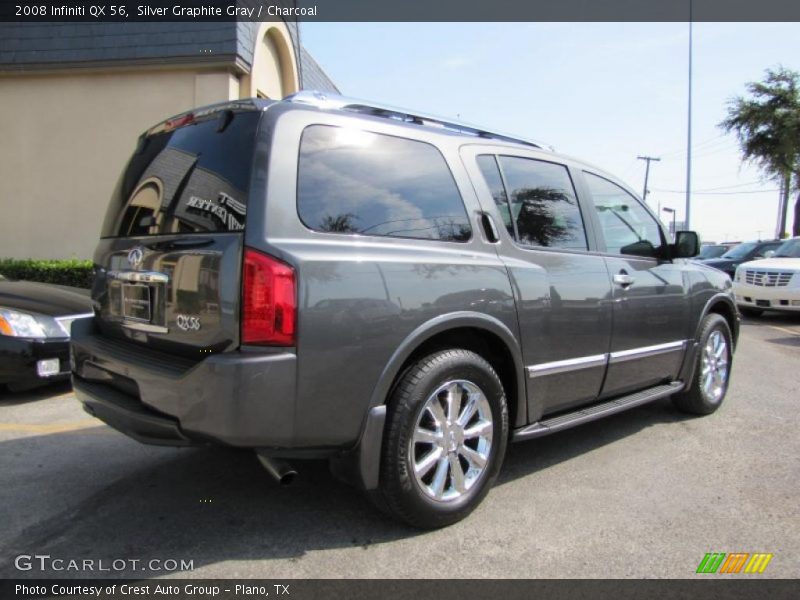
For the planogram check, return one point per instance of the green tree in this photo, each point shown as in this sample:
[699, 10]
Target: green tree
[767, 124]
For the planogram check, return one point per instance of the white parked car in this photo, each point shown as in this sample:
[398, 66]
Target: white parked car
[771, 283]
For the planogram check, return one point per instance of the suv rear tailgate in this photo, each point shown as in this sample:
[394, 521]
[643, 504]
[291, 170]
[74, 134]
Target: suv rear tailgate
[169, 263]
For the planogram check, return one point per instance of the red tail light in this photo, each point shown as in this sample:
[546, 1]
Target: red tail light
[269, 301]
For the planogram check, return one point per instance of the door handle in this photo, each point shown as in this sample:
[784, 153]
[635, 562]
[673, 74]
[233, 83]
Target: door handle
[489, 229]
[623, 279]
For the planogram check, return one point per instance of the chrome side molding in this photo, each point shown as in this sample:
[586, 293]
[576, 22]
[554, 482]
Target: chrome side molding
[571, 364]
[599, 360]
[636, 353]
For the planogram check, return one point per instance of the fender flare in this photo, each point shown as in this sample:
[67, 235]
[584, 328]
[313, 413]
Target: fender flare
[361, 467]
[687, 369]
[440, 324]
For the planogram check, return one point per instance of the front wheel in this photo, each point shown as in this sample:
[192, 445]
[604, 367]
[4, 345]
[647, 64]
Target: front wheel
[712, 370]
[446, 434]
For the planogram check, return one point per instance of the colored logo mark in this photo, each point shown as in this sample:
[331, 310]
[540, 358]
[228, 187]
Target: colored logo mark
[736, 562]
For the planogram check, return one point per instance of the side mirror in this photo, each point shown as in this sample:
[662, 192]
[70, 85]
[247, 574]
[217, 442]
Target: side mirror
[641, 248]
[769, 253]
[687, 244]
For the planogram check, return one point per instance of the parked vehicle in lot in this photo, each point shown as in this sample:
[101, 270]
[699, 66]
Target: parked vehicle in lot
[401, 294]
[744, 252]
[35, 320]
[770, 284]
[708, 251]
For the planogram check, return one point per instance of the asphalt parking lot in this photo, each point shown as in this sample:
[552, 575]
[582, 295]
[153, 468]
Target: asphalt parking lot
[643, 494]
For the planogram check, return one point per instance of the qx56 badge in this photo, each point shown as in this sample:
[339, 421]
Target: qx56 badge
[187, 323]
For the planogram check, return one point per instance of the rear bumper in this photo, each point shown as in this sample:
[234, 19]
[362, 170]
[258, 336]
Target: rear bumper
[125, 414]
[244, 399]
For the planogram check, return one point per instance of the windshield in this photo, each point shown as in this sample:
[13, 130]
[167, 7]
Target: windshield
[740, 251]
[789, 249]
[711, 251]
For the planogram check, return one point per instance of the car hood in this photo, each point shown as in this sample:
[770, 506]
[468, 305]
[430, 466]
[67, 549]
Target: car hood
[44, 298]
[719, 263]
[773, 263]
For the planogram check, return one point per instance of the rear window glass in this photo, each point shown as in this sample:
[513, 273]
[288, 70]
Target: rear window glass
[353, 181]
[193, 179]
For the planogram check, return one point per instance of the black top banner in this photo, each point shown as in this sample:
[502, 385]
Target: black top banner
[398, 10]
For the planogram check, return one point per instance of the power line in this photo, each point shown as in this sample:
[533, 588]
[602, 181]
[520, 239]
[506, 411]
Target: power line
[716, 193]
[714, 189]
[703, 152]
[727, 187]
[704, 145]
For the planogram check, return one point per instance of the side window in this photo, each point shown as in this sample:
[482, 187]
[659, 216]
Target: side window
[353, 181]
[627, 227]
[544, 205]
[487, 163]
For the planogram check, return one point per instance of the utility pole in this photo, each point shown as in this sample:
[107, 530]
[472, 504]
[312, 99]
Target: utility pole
[783, 201]
[648, 160]
[689, 132]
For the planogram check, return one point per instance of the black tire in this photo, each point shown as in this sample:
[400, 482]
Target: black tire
[750, 312]
[400, 494]
[696, 399]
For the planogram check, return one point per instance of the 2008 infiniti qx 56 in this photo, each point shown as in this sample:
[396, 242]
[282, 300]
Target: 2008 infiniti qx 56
[399, 293]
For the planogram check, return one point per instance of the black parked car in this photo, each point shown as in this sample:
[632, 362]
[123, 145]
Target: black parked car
[742, 253]
[35, 321]
[709, 251]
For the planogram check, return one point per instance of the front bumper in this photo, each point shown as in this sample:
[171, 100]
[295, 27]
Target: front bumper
[18, 358]
[783, 298]
[244, 399]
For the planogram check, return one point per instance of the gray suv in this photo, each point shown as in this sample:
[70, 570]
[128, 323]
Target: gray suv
[398, 293]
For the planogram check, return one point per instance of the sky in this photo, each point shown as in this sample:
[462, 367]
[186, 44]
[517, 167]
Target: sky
[601, 92]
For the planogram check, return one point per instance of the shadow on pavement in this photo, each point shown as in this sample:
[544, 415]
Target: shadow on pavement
[774, 318]
[526, 458]
[789, 340]
[9, 398]
[212, 505]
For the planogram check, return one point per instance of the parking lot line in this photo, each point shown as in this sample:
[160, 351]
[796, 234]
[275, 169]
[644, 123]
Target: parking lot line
[783, 329]
[50, 428]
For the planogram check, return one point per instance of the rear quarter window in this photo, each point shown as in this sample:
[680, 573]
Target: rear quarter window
[354, 181]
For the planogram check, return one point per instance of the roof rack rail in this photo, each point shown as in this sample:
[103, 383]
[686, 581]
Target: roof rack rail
[336, 102]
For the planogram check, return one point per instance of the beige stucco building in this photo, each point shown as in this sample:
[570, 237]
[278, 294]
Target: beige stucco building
[74, 99]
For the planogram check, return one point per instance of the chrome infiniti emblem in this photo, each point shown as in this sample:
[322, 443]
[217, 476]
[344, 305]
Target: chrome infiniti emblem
[187, 323]
[135, 257]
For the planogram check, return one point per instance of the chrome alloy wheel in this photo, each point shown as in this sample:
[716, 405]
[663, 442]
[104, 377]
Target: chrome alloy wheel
[452, 440]
[714, 366]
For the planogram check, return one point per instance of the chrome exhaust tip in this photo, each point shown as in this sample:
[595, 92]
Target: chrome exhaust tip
[280, 470]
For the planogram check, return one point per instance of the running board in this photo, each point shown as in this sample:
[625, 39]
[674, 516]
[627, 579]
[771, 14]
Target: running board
[596, 411]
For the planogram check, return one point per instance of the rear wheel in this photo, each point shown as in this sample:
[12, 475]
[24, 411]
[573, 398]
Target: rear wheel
[447, 427]
[750, 312]
[712, 369]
